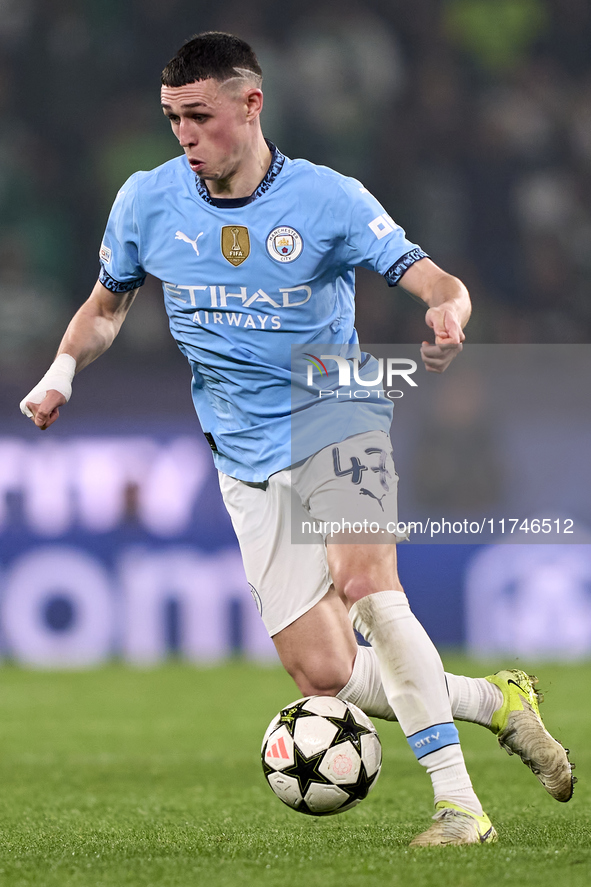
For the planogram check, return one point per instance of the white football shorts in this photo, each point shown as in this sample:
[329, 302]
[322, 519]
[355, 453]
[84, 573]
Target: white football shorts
[347, 487]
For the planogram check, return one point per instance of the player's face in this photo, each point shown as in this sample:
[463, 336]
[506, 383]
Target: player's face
[212, 122]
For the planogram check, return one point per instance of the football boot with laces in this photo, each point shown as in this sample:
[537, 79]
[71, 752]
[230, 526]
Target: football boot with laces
[520, 731]
[454, 825]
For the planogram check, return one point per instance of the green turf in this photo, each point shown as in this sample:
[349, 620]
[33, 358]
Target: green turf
[152, 779]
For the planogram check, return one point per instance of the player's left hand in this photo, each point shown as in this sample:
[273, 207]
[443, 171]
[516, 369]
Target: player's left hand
[437, 358]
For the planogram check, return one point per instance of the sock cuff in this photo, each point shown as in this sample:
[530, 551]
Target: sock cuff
[434, 738]
[362, 612]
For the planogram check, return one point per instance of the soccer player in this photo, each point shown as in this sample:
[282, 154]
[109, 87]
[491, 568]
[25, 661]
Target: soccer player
[257, 253]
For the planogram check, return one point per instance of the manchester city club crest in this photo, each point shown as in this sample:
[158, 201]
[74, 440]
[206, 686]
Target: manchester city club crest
[284, 244]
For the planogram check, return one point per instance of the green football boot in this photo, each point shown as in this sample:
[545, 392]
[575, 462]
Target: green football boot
[454, 825]
[520, 731]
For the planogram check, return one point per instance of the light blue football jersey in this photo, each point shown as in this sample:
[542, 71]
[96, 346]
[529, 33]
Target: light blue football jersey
[244, 281]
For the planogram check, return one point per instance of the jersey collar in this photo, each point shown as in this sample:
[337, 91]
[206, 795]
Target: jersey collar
[275, 167]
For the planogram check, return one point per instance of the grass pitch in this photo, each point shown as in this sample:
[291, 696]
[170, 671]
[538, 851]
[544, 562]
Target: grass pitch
[152, 779]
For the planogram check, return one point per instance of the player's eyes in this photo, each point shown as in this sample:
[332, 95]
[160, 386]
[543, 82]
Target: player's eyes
[199, 118]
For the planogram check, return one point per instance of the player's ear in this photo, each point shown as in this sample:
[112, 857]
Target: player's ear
[254, 103]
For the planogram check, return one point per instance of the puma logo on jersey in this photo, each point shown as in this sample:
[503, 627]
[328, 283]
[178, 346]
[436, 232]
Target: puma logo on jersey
[364, 492]
[180, 236]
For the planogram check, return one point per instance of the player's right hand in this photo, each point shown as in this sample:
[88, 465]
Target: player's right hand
[46, 412]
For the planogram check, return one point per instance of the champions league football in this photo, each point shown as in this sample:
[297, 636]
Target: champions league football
[321, 756]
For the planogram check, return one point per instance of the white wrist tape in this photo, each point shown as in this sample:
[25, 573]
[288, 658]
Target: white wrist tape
[58, 377]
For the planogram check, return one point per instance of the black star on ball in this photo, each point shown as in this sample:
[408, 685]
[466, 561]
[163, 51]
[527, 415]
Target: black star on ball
[349, 729]
[305, 770]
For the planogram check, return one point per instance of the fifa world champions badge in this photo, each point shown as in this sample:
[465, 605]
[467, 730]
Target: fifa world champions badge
[235, 244]
[284, 244]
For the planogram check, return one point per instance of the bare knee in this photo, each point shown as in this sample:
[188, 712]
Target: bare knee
[356, 587]
[360, 570]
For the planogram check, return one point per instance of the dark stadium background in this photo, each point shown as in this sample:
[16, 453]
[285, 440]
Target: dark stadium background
[469, 119]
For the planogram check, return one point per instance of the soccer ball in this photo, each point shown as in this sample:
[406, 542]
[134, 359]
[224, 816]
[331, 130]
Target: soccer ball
[321, 755]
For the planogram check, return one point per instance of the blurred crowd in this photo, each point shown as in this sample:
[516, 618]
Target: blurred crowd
[469, 119]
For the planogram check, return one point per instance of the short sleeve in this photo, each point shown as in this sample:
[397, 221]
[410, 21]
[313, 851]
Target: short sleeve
[119, 255]
[372, 239]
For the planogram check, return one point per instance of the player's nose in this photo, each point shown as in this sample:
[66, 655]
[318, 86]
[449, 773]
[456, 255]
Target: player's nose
[187, 134]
